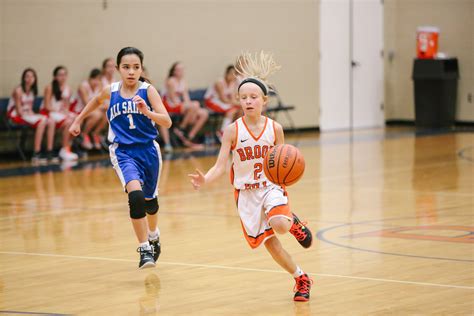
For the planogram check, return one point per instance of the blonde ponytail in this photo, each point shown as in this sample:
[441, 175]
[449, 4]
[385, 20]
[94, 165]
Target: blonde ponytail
[259, 65]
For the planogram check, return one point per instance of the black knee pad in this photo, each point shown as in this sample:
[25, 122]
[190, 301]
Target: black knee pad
[136, 201]
[152, 206]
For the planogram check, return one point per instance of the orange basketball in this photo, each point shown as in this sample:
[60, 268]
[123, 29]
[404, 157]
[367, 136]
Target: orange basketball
[284, 165]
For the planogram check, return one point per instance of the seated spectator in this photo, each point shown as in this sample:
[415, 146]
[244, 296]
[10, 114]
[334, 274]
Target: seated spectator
[221, 97]
[56, 104]
[97, 120]
[108, 71]
[176, 100]
[108, 77]
[20, 111]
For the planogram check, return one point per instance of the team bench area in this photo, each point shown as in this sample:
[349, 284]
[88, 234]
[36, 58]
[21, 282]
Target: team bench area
[18, 138]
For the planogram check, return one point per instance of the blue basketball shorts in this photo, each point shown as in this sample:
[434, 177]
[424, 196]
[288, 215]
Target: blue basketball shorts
[140, 162]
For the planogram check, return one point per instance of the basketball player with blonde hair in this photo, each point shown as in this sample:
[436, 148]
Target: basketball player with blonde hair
[262, 206]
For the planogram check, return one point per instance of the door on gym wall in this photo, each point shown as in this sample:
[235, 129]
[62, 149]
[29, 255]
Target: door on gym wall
[351, 64]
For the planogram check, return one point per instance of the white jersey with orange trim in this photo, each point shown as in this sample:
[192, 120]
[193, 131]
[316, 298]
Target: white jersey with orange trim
[248, 155]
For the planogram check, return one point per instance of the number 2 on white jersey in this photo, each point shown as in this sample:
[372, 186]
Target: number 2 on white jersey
[258, 167]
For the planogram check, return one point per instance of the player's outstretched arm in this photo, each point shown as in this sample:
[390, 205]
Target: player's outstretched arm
[198, 179]
[93, 104]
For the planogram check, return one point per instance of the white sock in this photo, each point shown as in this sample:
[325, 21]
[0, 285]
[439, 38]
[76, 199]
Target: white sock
[154, 235]
[298, 272]
[145, 245]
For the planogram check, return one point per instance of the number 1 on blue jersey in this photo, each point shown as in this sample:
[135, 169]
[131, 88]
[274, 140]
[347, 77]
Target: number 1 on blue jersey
[130, 118]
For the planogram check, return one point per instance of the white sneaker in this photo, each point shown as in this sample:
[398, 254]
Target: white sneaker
[67, 155]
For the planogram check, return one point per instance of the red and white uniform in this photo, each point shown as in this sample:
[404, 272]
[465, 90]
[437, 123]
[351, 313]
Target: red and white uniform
[78, 106]
[27, 116]
[214, 103]
[258, 199]
[59, 112]
[171, 106]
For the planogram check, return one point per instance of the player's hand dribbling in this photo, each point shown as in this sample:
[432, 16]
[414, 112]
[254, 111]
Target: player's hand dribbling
[141, 104]
[197, 179]
[75, 129]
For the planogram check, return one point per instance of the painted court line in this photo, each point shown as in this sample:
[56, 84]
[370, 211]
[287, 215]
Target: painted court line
[212, 266]
[303, 181]
[32, 313]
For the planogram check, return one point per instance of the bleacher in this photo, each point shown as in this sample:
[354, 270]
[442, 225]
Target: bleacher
[14, 136]
[19, 137]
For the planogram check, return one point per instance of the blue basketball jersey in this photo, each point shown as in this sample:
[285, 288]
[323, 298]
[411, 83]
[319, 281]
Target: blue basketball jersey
[127, 124]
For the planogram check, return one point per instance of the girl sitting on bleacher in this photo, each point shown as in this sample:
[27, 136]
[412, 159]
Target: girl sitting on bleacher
[97, 120]
[20, 111]
[56, 104]
[221, 97]
[108, 71]
[176, 100]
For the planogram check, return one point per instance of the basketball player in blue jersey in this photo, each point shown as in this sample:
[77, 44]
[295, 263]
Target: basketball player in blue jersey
[134, 108]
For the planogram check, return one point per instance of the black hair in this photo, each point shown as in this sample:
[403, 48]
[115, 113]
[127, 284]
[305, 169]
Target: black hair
[173, 67]
[34, 86]
[94, 73]
[132, 51]
[56, 89]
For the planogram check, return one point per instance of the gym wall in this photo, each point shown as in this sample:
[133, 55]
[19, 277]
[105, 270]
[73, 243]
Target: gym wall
[206, 35]
[455, 18]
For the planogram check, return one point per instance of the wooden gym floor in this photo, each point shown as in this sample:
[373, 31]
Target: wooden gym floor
[392, 211]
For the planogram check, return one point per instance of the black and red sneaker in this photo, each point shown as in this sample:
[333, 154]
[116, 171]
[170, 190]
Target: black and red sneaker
[301, 232]
[302, 288]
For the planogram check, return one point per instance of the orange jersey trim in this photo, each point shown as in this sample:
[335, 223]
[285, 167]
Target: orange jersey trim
[250, 132]
[232, 147]
[280, 210]
[254, 242]
[274, 133]
[232, 174]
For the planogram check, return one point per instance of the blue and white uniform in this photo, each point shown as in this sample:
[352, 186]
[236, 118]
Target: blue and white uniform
[134, 153]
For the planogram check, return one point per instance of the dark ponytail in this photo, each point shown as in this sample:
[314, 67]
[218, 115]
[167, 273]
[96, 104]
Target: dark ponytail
[55, 84]
[34, 86]
[132, 51]
[144, 79]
